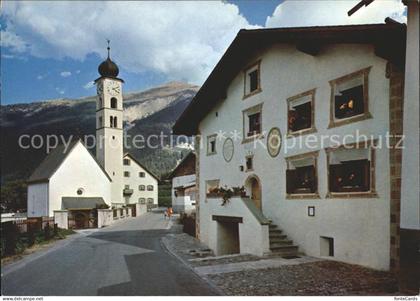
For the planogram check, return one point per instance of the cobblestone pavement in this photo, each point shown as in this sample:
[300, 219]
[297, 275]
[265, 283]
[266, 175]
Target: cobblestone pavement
[324, 277]
[317, 278]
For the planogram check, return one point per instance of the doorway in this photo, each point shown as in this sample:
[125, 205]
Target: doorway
[227, 238]
[253, 187]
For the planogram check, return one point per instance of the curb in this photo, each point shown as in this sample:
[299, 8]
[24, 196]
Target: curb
[205, 278]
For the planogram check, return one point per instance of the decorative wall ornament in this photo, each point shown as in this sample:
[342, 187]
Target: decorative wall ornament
[274, 142]
[228, 149]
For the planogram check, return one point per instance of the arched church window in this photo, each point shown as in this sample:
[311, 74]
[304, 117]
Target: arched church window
[115, 121]
[100, 102]
[113, 103]
[111, 121]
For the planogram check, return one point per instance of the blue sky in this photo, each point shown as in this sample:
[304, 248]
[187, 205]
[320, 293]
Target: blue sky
[52, 50]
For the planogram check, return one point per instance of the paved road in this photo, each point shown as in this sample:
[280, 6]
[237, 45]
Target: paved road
[124, 259]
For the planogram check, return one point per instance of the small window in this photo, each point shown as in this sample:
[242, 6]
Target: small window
[142, 174]
[126, 161]
[211, 145]
[126, 173]
[252, 80]
[350, 98]
[80, 191]
[142, 200]
[300, 113]
[99, 121]
[100, 103]
[301, 175]
[249, 163]
[114, 103]
[150, 200]
[149, 187]
[115, 121]
[111, 121]
[349, 170]
[252, 119]
[211, 186]
[142, 187]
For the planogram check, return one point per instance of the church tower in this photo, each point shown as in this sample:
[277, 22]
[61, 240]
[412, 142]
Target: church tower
[109, 125]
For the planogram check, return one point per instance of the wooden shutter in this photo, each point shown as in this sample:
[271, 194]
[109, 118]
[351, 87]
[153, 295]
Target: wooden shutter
[290, 180]
[334, 172]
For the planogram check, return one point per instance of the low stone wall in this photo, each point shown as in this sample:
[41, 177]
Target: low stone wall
[61, 218]
[105, 217]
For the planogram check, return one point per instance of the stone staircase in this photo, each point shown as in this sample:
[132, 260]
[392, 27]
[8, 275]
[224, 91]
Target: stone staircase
[280, 245]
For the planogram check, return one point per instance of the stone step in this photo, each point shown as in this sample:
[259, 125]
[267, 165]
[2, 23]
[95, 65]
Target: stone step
[282, 242]
[275, 231]
[284, 248]
[272, 226]
[291, 250]
[277, 235]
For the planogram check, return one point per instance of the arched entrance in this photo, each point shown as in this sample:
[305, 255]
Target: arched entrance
[253, 187]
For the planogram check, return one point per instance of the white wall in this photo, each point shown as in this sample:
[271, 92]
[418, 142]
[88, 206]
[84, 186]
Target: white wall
[38, 199]
[79, 170]
[134, 180]
[253, 237]
[410, 185]
[359, 226]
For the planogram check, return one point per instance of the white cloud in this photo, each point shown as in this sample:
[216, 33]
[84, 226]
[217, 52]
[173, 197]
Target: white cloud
[177, 39]
[40, 77]
[59, 90]
[77, 71]
[333, 12]
[65, 73]
[12, 41]
[89, 85]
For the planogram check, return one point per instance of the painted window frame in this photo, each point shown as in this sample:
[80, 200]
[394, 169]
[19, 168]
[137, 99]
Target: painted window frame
[290, 100]
[150, 188]
[150, 201]
[249, 69]
[312, 195]
[245, 120]
[372, 193]
[126, 162]
[142, 200]
[366, 113]
[126, 174]
[142, 187]
[209, 140]
[142, 174]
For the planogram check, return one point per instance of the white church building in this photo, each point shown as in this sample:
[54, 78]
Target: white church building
[275, 87]
[70, 178]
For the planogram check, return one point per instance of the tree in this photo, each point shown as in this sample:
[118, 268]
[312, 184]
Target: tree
[13, 196]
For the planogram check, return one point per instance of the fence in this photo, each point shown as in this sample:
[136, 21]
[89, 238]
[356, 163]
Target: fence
[21, 233]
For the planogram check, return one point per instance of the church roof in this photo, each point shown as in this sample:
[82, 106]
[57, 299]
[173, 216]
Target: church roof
[388, 39]
[81, 202]
[141, 165]
[53, 161]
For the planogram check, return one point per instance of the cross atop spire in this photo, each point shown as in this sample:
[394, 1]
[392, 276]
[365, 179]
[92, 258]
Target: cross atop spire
[108, 48]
